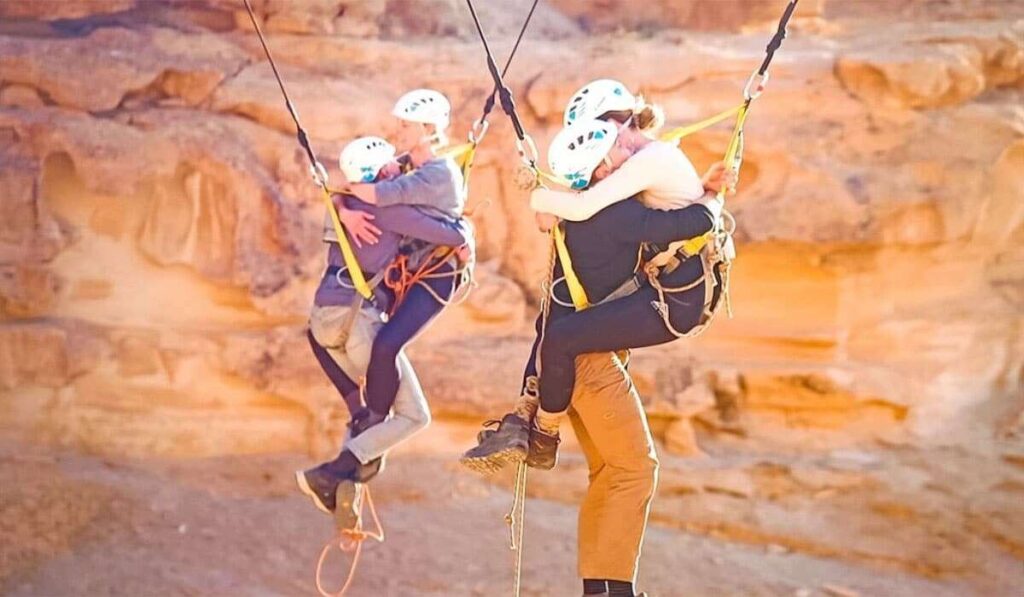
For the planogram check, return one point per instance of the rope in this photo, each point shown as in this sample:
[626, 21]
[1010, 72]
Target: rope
[489, 104]
[400, 280]
[321, 178]
[351, 541]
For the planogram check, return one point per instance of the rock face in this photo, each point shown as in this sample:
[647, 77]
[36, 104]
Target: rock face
[159, 238]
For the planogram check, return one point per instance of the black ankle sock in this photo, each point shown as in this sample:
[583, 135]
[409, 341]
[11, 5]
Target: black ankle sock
[344, 465]
[620, 588]
[594, 586]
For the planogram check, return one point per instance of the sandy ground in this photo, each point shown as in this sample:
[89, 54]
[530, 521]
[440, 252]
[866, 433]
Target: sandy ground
[76, 525]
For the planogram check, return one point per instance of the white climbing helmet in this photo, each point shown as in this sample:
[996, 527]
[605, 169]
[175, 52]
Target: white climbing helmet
[362, 159]
[577, 150]
[596, 98]
[426, 106]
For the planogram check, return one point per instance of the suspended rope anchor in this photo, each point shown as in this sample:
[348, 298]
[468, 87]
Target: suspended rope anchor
[351, 263]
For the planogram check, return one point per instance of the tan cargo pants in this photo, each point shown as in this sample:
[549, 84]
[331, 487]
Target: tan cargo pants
[410, 413]
[611, 426]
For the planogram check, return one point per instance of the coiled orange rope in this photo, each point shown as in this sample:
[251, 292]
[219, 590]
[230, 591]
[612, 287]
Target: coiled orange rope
[351, 541]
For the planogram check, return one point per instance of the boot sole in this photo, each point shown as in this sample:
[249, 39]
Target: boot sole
[346, 511]
[493, 462]
[300, 480]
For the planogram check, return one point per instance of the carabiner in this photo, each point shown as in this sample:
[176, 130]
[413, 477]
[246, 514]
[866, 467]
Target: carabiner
[750, 90]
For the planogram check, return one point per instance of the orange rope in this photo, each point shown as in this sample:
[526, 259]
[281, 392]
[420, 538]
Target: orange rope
[399, 279]
[351, 540]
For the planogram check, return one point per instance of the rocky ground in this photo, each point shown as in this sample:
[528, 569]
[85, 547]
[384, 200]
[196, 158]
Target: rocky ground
[75, 525]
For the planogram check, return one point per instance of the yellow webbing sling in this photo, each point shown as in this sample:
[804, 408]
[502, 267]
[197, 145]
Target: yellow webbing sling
[351, 263]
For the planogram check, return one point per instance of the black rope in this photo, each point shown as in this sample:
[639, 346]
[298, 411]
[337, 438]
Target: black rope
[504, 95]
[489, 104]
[776, 41]
[300, 132]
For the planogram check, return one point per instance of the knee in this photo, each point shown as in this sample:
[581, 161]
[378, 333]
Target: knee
[415, 412]
[386, 348]
[422, 417]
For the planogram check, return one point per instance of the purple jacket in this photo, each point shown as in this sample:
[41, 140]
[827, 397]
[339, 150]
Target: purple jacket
[396, 222]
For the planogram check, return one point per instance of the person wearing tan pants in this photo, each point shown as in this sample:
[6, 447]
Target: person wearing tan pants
[612, 430]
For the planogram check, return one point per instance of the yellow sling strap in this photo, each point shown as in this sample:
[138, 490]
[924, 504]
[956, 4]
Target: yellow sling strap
[576, 290]
[351, 263]
[676, 134]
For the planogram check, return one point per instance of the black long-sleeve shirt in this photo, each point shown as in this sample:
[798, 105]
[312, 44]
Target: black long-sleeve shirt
[604, 251]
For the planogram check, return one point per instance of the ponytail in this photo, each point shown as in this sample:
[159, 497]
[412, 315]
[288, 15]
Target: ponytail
[647, 118]
[644, 117]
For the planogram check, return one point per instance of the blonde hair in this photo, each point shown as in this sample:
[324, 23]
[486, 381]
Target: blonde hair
[644, 117]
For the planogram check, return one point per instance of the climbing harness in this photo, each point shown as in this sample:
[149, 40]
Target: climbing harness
[400, 279]
[351, 263]
[351, 541]
[715, 249]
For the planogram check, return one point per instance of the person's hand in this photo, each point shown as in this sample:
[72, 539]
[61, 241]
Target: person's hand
[358, 224]
[364, 191]
[545, 222]
[390, 170]
[718, 177]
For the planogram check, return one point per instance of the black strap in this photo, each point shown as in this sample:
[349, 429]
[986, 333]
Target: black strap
[489, 104]
[504, 95]
[776, 41]
[300, 132]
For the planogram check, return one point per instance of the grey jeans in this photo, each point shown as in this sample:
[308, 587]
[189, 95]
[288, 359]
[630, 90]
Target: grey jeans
[410, 413]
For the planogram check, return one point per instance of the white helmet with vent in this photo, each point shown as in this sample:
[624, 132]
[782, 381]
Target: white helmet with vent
[597, 98]
[577, 150]
[425, 106]
[362, 159]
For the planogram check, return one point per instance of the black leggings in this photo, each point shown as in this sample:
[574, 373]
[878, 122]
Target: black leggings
[414, 314]
[630, 322]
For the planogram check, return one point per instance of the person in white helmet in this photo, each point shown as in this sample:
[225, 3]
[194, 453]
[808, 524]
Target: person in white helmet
[349, 344]
[580, 366]
[637, 163]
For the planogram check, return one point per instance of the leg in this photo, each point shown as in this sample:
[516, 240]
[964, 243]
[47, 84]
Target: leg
[587, 540]
[630, 322]
[348, 389]
[623, 469]
[382, 376]
[410, 413]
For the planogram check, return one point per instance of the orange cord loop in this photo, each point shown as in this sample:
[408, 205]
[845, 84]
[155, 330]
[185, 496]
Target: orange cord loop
[351, 541]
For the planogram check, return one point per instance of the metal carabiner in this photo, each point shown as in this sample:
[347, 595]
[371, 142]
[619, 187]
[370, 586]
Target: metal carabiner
[478, 130]
[750, 90]
[527, 151]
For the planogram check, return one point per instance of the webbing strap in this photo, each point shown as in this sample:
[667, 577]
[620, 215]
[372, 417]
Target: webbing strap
[676, 134]
[356, 272]
[576, 290]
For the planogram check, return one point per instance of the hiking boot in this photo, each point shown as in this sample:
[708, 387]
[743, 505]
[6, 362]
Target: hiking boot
[368, 471]
[543, 452]
[349, 503]
[320, 485]
[508, 444]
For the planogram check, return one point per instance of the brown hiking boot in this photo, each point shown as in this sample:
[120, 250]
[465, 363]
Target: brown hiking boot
[509, 443]
[349, 503]
[543, 452]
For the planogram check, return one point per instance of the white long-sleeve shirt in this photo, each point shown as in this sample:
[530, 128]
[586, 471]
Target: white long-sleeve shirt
[659, 172]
